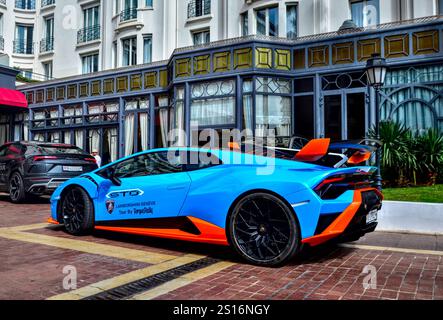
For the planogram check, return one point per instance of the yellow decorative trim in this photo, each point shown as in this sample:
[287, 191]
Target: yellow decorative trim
[318, 56]
[84, 89]
[426, 42]
[183, 67]
[50, 94]
[397, 46]
[40, 96]
[366, 48]
[282, 59]
[343, 53]
[136, 82]
[163, 78]
[263, 58]
[96, 87]
[150, 80]
[108, 86]
[222, 61]
[60, 93]
[72, 91]
[122, 84]
[202, 64]
[243, 58]
[300, 59]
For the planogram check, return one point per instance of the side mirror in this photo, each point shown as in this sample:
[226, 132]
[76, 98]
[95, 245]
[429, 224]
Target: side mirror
[111, 176]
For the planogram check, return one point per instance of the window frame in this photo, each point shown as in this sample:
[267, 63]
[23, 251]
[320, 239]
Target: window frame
[267, 11]
[131, 52]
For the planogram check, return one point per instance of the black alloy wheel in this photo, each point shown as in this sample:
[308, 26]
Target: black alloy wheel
[77, 211]
[17, 192]
[264, 230]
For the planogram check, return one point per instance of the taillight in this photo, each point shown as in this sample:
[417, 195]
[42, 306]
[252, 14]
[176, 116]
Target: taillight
[91, 160]
[329, 181]
[333, 187]
[42, 158]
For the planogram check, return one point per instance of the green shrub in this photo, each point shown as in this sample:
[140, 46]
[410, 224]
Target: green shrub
[430, 154]
[408, 158]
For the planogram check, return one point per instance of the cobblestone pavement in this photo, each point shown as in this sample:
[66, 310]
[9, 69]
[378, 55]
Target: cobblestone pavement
[37, 259]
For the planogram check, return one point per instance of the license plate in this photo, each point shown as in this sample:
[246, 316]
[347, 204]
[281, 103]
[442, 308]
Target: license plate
[372, 216]
[72, 169]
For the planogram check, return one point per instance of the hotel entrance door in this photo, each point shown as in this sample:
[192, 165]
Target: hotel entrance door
[344, 115]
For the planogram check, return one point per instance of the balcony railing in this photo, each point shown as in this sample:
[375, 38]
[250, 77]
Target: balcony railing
[88, 34]
[23, 47]
[128, 14]
[198, 8]
[3, 2]
[2, 43]
[25, 4]
[46, 3]
[47, 45]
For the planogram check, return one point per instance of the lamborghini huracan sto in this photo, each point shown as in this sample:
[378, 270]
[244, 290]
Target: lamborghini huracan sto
[266, 205]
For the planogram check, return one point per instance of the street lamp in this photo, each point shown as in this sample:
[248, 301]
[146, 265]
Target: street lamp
[376, 69]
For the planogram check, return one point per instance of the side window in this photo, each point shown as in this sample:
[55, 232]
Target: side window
[147, 165]
[193, 160]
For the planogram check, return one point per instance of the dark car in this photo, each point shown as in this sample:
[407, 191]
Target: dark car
[37, 168]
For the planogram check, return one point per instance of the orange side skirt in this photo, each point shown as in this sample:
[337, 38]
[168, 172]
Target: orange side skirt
[52, 221]
[209, 233]
[341, 223]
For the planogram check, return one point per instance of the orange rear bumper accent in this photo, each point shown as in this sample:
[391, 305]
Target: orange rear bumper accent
[209, 233]
[341, 223]
[52, 221]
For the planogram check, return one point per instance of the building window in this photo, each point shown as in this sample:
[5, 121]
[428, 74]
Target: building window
[291, 21]
[244, 18]
[198, 8]
[90, 63]
[25, 4]
[267, 21]
[129, 11]
[24, 41]
[91, 17]
[213, 104]
[129, 51]
[91, 21]
[440, 7]
[149, 3]
[273, 107]
[201, 37]
[47, 43]
[147, 49]
[365, 13]
[47, 69]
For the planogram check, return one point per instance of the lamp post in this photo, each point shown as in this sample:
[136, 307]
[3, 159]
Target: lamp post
[376, 69]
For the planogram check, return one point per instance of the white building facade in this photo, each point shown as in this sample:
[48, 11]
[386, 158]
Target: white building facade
[60, 38]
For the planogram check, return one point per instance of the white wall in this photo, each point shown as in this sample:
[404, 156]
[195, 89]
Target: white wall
[170, 27]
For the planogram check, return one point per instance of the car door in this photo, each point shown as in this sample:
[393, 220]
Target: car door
[152, 186]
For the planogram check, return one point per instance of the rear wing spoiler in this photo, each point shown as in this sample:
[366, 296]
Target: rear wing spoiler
[336, 154]
[321, 151]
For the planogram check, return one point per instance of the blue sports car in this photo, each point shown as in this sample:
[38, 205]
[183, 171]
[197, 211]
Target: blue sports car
[265, 205]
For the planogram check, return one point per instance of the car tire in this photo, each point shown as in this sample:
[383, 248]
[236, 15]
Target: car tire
[77, 211]
[17, 192]
[260, 237]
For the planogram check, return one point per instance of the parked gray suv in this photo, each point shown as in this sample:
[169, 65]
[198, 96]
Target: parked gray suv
[37, 168]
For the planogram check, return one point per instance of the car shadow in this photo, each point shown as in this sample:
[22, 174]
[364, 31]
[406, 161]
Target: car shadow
[307, 255]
